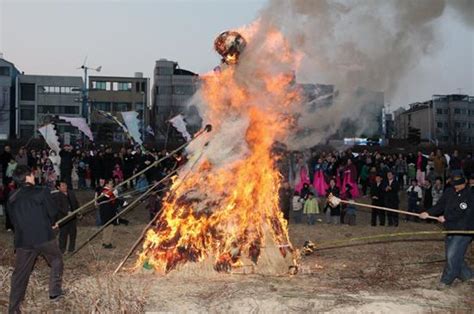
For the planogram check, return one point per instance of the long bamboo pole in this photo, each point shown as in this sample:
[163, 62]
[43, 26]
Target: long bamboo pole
[208, 128]
[335, 200]
[130, 206]
[330, 244]
[137, 242]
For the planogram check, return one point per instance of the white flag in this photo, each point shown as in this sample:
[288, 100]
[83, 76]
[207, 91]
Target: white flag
[180, 125]
[81, 124]
[50, 136]
[131, 121]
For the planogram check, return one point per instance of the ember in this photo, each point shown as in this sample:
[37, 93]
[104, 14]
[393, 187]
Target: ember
[224, 206]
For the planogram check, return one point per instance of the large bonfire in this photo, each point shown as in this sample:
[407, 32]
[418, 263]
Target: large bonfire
[224, 204]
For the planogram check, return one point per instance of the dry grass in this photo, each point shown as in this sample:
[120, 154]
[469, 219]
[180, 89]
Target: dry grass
[388, 275]
[91, 294]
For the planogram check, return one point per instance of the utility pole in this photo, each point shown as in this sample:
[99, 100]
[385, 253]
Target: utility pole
[86, 112]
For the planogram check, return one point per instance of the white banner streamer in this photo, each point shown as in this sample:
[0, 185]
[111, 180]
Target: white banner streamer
[81, 124]
[131, 121]
[49, 134]
[180, 125]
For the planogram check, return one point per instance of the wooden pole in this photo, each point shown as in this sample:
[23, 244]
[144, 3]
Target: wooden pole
[208, 128]
[134, 246]
[137, 242]
[123, 211]
[386, 209]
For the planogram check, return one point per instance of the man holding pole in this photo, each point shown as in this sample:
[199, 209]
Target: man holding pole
[456, 208]
[66, 202]
[32, 212]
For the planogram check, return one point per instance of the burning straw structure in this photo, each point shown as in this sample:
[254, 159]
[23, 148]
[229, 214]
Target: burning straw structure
[226, 212]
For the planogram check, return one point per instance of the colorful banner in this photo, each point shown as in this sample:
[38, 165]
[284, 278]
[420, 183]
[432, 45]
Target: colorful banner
[50, 136]
[79, 123]
[131, 121]
[180, 125]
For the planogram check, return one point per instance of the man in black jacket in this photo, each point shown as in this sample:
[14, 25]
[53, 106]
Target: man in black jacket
[5, 158]
[377, 195]
[391, 198]
[66, 202]
[66, 164]
[32, 211]
[456, 210]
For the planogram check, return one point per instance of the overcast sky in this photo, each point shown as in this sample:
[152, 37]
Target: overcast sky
[54, 37]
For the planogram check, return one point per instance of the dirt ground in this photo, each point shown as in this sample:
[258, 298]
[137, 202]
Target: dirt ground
[389, 275]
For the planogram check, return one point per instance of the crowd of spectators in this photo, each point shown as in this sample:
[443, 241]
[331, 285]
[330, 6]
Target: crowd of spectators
[83, 169]
[381, 177]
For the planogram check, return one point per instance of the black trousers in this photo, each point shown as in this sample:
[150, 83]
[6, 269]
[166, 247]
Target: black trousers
[68, 231]
[24, 263]
[66, 176]
[380, 214]
[392, 219]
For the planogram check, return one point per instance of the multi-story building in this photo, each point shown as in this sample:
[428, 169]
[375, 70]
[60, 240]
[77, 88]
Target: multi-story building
[371, 104]
[8, 74]
[445, 119]
[41, 97]
[116, 94]
[173, 88]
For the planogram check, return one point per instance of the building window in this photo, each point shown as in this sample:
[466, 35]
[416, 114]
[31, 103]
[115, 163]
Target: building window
[440, 124]
[446, 111]
[137, 87]
[70, 109]
[439, 111]
[58, 89]
[121, 106]
[457, 111]
[124, 86]
[139, 106]
[27, 113]
[457, 124]
[46, 109]
[143, 86]
[4, 71]
[115, 86]
[183, 90]
[104, 106]
[164, 71]
[99, 85]
[463, 111]
[164, 90]
[58, 109]
[26, 131]
[27, 91]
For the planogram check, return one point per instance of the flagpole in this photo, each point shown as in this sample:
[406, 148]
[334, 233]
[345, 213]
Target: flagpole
[167, 131]
[206, 129]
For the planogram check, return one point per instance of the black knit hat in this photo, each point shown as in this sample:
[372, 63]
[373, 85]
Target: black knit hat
[457, 180]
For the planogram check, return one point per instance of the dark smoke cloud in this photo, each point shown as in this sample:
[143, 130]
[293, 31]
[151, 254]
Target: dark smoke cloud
[369, 44]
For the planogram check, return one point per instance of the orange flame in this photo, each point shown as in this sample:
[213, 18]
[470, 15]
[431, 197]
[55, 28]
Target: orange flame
[224, 212]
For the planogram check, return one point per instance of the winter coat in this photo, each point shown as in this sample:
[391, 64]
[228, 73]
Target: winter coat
[457, 209]
[311, 206]
[32, 212]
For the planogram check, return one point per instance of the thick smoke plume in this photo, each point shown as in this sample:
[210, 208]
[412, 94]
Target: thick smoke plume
[363, 48]
[356, 45]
